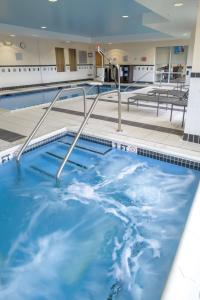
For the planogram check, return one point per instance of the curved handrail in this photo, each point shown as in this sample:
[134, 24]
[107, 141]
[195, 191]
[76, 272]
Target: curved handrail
[30, 137]
[65, 159]
[101, 51]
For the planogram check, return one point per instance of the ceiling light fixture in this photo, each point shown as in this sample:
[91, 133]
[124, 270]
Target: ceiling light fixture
[12, 35]
[53, 0]
[178, 4]
[67, 42]
[43, 27]
[125, 17]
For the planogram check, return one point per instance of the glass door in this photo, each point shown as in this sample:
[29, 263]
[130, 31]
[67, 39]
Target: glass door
[171, 63]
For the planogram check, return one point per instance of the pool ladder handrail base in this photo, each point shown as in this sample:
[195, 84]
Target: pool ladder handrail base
[36, 128]
[84, 123]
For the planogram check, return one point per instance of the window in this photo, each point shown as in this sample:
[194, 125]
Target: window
[72, 60]
[171, 63]
[60, 59]
[82, 57]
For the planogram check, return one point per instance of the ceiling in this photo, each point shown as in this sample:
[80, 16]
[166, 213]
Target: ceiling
[93, 21]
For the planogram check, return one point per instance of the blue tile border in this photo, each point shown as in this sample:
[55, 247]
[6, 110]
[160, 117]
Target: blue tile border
[92, 139]
[172, 159]
[190, 164]
[45, 141]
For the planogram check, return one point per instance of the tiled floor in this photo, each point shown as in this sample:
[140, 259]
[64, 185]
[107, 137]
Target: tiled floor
[9, 136]
[141, 125]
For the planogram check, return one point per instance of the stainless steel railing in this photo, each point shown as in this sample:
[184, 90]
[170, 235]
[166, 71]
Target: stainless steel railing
[84, 123]
[102, 53]
[30, 137]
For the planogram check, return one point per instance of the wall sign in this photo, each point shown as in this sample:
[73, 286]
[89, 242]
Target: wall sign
[125, 58]
[19, 56]
[144, 58]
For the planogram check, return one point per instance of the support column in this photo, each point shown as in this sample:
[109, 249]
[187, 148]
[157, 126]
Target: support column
[192, 126]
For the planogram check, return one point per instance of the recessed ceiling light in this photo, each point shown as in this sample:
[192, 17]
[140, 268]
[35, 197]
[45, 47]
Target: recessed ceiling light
[12, 35]
[43, 27]
[125, 16]
[53, 0]
[178, 4]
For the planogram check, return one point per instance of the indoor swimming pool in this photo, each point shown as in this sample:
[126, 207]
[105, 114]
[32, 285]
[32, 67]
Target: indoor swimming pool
[31, 98]
[108, 230]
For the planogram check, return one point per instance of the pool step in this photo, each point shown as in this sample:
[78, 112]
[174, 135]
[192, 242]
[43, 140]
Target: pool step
[78, 156]
[44, 172]
[85, 155]
[86, 148]
[48, 166]
[85, 145]
[69, 161]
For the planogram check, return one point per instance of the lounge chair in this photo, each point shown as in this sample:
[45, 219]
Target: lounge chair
[173, 101]
[173, 92]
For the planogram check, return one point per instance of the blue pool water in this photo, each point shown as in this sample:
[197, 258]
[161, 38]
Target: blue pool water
[32, 98]
[108, 230]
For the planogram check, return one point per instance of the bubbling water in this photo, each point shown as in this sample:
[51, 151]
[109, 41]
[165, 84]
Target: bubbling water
[101, 236]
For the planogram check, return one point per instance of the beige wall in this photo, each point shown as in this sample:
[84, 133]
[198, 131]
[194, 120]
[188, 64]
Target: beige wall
[42, 51]
[135, 51]
[37, 51]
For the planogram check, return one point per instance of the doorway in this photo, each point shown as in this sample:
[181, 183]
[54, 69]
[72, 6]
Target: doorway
[60, 59]
[72, 60]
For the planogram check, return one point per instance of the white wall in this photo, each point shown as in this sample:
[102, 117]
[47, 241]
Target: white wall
[38, 64]
[192, 122]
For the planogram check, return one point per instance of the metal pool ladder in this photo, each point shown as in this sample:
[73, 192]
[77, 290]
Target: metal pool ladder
[86, 118]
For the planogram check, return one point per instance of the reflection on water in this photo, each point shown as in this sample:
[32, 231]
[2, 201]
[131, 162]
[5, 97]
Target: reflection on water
[107, 233]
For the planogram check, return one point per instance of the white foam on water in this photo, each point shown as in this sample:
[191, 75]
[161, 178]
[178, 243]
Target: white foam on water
[130, 170]
[46, 265]
[114, 212]
[38, 277]
[152, 193]
[82, 191]
[24, 235]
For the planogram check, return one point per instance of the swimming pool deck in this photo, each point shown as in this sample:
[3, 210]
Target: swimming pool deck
[141, 125]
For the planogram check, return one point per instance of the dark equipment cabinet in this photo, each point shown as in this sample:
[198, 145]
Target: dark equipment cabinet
[127, 73]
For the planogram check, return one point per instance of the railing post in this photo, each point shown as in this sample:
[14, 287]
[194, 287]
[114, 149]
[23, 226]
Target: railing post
[45, 115]
[65, 159]
[119, 101]
[77, 137]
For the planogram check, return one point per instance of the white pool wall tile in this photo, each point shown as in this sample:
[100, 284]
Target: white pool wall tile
[184, 279]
